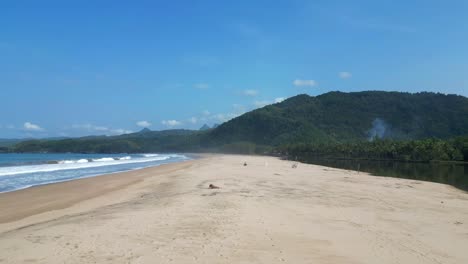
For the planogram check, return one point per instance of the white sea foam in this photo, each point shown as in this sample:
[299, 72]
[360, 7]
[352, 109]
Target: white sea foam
[150, 155]
[83, 163]
[103, 159]
[168, 155]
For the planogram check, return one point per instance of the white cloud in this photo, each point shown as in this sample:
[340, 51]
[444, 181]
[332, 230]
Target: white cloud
[279, 99]
[193, 120]
[171, 123]
[345, 75]
[209, 118]
[250, 92]
[120, 131]
[304, 83]
[261, 103]
[224, 117]
[143, 123]
[90, 127]
[238, 108]
[101, 129]
[202, 86]
[32, 127]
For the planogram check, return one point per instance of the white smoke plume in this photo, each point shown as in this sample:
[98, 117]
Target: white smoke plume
[379, 129]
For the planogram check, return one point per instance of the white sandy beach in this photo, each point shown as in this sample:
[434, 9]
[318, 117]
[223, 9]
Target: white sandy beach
[266, 212]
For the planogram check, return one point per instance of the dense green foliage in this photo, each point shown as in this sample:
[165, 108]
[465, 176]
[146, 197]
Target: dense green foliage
[323, 124]
[5, 143]
[153, 141]
[414, 150]
[342, 117]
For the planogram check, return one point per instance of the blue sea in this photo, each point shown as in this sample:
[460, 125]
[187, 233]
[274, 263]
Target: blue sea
[19, 171]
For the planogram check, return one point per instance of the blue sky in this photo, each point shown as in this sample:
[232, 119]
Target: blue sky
[74, 68]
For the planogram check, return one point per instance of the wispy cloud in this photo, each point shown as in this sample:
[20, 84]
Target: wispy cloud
[120, 131]
[279, 99]
[143, 123]
[32, 127]
[261, 103]
[101, 128]
[202, 86]
[250, 92]
[171, 123]
[221, 117]
[345, 75]
[305, 83]
[225, 117]
[90, 127]
[193, 120]
[238, 108]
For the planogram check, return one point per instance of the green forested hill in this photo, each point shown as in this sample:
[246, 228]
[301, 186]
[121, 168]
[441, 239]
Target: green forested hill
[341, 117]
[329, 118]
[143, 141]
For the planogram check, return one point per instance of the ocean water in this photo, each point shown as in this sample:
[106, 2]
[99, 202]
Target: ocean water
[19, 171]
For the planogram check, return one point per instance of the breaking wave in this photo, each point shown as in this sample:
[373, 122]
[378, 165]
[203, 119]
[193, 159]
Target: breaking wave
[49, 171]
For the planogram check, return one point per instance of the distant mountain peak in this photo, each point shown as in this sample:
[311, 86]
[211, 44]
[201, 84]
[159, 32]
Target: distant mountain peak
[145, 130]
[205, 127]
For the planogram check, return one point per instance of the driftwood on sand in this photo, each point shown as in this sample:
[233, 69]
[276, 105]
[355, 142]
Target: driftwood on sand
[212, 186]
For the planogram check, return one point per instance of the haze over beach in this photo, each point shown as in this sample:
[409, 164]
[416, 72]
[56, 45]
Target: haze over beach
[234, 132]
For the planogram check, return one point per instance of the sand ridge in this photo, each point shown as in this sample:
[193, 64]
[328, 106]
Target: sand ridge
[265, 212]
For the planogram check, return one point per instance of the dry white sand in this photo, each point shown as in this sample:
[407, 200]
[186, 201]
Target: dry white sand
[266, 212]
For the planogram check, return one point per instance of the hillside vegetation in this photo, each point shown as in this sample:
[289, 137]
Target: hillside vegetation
[344, 117]
[304, 123]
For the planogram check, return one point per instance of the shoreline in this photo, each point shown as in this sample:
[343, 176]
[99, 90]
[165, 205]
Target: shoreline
[188, 157]
[265, 212]
[107, 183]
[420, 171]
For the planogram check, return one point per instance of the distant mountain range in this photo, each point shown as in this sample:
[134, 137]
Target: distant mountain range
[8, 142]
[332, 117]
[205, 127]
